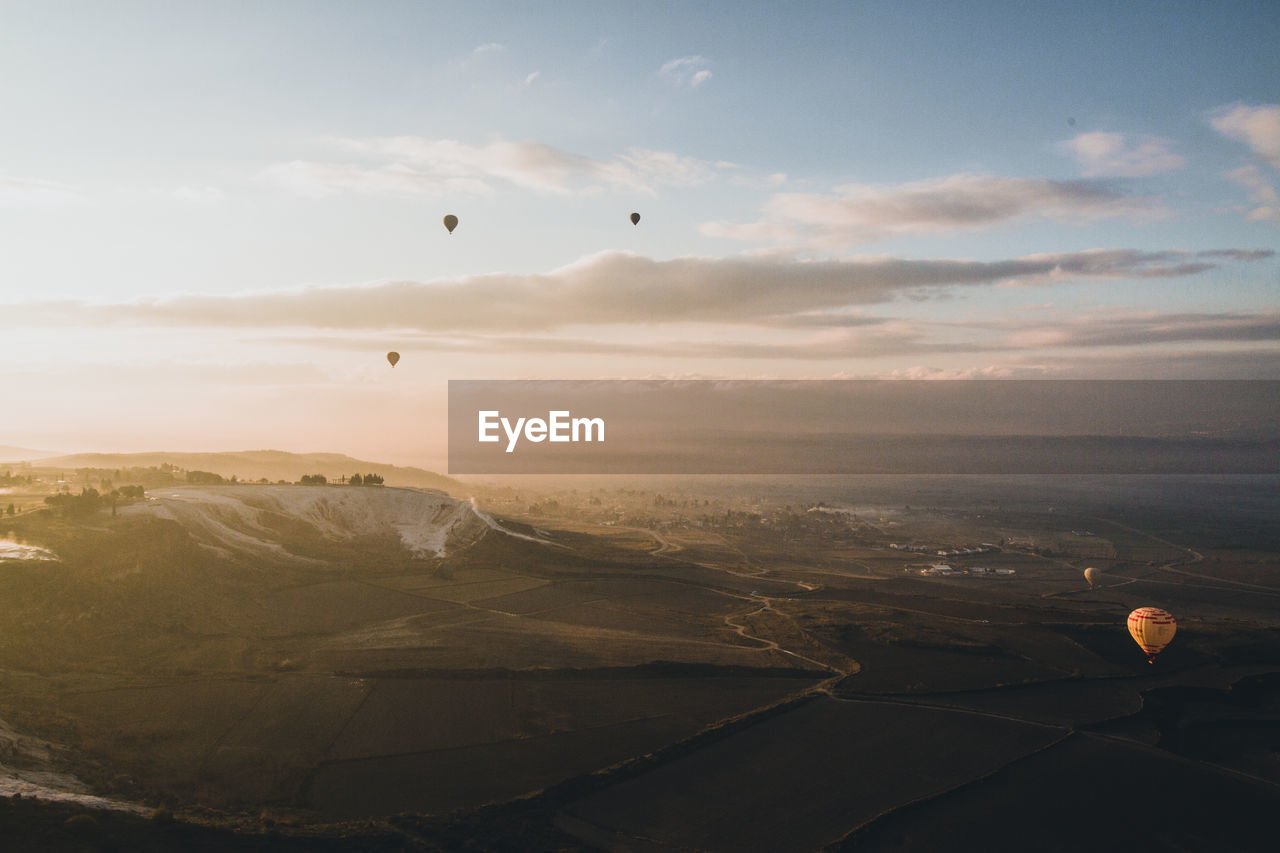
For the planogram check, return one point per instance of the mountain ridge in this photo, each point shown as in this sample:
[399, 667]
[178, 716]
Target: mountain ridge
[9, 453]
[247, 465]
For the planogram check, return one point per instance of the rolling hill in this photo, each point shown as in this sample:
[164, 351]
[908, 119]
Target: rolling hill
[257, 464]
[8, 453]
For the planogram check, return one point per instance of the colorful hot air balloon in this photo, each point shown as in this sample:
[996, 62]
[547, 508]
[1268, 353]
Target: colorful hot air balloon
[1152, 628]
[635, 219]
[1091, 575]
[393, 357]
[450, 222]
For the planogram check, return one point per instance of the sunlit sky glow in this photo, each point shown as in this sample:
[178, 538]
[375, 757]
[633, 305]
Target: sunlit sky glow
[216, 218]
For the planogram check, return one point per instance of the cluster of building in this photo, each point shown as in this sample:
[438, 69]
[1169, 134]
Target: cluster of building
[984, 548]
[942, 570]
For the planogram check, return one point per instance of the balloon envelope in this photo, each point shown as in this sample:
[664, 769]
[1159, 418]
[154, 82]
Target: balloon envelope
[1152, 628]
[393, 357]
[635, 219]
[450, 222]
[1091, 575]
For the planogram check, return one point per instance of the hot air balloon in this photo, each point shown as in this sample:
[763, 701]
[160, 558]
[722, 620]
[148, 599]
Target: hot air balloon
[635, 219]
[450, 222]
[393, 357]
[1152, 628]
[1091, 575]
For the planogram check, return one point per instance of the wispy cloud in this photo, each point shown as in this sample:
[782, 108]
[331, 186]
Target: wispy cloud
[1145, 328]
[490, 47]
[616, 288]
[414, 165]
[1236, 254]
[991, 371]
[1258, 127]
[530, 79]
[31, 192]
[859, 213]
[1151, 363]
[199, 195]
[687, 71]
[904, 341]
[1266, 204]
[321, 180]
[663, 167]
[1112, 155]
[875, 339]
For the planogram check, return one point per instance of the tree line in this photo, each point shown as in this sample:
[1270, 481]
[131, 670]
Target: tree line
[91, 500]
[353, 480]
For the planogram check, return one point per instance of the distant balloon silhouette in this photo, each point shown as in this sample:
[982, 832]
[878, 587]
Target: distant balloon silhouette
[1091, 575]
[450, 222]
[635, 219]
[393, 357]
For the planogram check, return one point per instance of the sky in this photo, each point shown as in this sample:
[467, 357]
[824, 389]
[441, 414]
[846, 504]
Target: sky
[217, 218]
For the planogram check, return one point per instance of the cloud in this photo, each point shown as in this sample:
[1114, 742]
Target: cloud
[922, 372]
[199, 195]
[99, 374]
[30, 192]
[859, 213]
[1152, 363]
[760, 182]
[1258, 127]
[1261, 192]
[998, 360]
[663, 167]
[1111, 155]
[413, 165]
[1144, 329]
[1237, 254]
[893, 338]
[321, 180]
[532, 78]
[618, 288]
[490, 47]
[687, 71]
[877, 338]
[837, 320]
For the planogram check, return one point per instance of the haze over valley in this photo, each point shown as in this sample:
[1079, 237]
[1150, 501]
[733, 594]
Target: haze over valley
[594, 663]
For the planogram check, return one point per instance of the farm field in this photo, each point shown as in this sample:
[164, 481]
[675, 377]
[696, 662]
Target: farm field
[436, 746]
[660, 685]
[812, 768]
[1184, 806]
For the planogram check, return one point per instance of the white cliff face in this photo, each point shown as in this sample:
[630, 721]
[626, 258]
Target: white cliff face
[11, 550]
[231, 518]
[28, 767]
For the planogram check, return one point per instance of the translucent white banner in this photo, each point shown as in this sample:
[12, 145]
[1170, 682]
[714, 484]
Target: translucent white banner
[863, 427]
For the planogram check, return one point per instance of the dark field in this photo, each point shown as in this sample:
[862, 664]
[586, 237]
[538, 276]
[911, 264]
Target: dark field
[744, 665]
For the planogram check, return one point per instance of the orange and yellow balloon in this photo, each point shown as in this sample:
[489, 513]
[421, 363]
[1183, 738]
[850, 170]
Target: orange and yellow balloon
[1152, 628]
[1091, 575]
